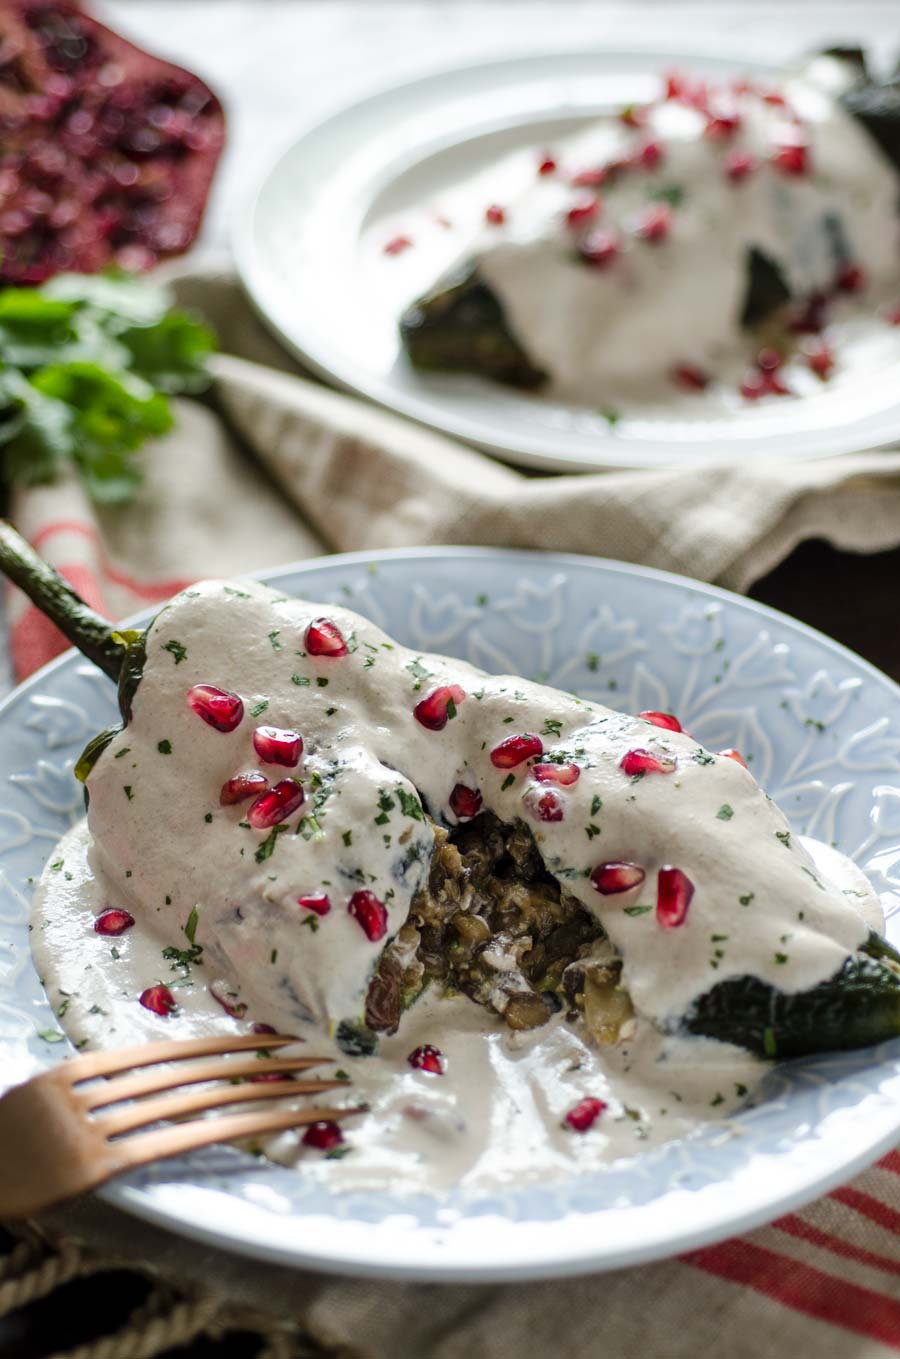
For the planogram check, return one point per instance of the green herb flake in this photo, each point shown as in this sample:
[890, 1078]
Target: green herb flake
[507, 782]
[781, 958]
[322, 682]
[57, 865]
[330, 712]
[784, 837]
[592, 661]
[347, 838]
[418, 672]
[301, 681]
[120, 754]
[637, 910]
[190, 927]
[164, 747]
[746, 899]
[725, 812]
[410, 805]
[128, 791]
[701, 757]
[51, 1035]
[259, 708]
[208, 818]
[266, 849]
[716, 1101]
[596, 804]
[273, 637]
[311, 922]
[552, 727]
[176, 649]
[770, 1047]
[451, 708]
[591, 830]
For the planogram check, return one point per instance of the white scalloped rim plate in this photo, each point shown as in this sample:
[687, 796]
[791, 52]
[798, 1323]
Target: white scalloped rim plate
[823, 730]
[309, 251]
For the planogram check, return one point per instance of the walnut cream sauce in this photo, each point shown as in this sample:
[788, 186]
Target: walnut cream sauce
[620, 253]
[282, 924]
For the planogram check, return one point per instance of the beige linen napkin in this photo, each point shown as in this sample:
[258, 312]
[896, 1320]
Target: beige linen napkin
[278, 467]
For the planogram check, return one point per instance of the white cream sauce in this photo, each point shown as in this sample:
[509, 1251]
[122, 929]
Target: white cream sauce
[610, 337]
[165, 849]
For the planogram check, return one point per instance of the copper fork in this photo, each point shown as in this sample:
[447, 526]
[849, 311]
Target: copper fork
[56, 1140]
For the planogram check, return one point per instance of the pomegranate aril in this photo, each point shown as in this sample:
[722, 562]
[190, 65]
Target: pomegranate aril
[515, 750]
[649, 156]
[113, 921]
[689, 376]
[397, 244]
[547, 165]
[436, 709]
[768, 360]
[673, 85]
[645, 762]
[324, 638]
[563, 774]
[674, 891]
[242, 786]
[263, 1028]
[821, 360]
[731, 754]
[319, 902]
[612, 878]
[600, 247]
[427, 1058]
[545, 806]
[229, 1001]
[494, 215]
[792, 159]
[588, 179]
[721, 127]
[583, 1115]
[276, 745]
[370, 913]
[655, 223]
[324, 1135]
[738, 165]
[217, 707]
[851, 279]
[276, 805]
[158, 999]
[465, 802]
[582, 213]
[667, 721]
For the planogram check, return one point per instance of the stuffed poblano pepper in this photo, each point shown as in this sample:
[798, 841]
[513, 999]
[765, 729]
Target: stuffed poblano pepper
[698, 243]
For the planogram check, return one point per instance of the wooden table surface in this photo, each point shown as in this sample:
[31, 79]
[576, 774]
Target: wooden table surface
[280, 63]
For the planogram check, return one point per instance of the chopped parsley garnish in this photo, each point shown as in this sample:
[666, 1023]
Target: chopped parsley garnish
[637, 910]
[593, 661]
[164, 747]
[301, 681]
[329, 712]
[611, 415]
[507, 782]
[265, 850]
[725, 812]
[259, 707]
[183, 957]
[322, 682]
[273, 638]
[784, 837]
[177, 650]
[347, 838]
[747, 898]
[128, 791]
[669, 193]
[781, 957]
[418, 671]
[451, 708]
[716, 1100]
[50, 1035]
[591, 830]
[57, 865]
[208, 818]
[311, 922]
[190, 927]
[368, 662]
[552, 727]
[481, 600]
[701, 757]
[126, 750]
[596, 804]
[410, 805]
[770, 1047]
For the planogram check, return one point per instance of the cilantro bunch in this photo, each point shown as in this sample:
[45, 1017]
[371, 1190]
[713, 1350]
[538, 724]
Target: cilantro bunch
[87, 363]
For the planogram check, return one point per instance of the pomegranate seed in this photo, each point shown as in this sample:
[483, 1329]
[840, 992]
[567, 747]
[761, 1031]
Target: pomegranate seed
[547, 165]
[516, 749]
[645, 762]
[113, 921]
[673, 897]
[738, 165]
[791, 160]
[435, 711]
[612, 878]
[563, 774]
[588, 179]
[851, 279]
[774, 98]
[275, 806]
[241, 787]
[583, 212]
[720, 127]
[324, 638]
[633, 116]
[324, 1135]
[229, 1002]
[275, 745]
[397, 244]
[810, 319]
[217, 707]
[318, 902]
[665, 720]
[465, 802]
[674, 85]
[731, 754]
[427, 1058]
[546, 806]
[583, 1115]
[691, 377]
[600, 247]
[768, 360]
[370, 913]
[263, 1028]
[654, 225]
[649, 156]
[495, 215]
[159, 999]
[821, 360]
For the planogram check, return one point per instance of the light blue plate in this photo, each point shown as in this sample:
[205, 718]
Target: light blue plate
[822, 731]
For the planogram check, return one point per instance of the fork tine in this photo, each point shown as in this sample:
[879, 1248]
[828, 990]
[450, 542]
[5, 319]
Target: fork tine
[156, 1146]
[149, 1083]
[176, 1106]
[93, 1064]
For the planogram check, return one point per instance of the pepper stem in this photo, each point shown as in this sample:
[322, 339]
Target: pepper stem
[88, 631]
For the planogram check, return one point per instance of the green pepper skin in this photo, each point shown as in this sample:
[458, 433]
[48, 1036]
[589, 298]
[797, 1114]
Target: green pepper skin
[858, 1006]
[461, 326]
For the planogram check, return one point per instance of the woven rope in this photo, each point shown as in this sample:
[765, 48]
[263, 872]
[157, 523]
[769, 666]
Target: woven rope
[184, 1323]
[68, 1263]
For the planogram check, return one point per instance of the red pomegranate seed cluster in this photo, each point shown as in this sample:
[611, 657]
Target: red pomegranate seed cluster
[107, 153]
[583, 1115]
